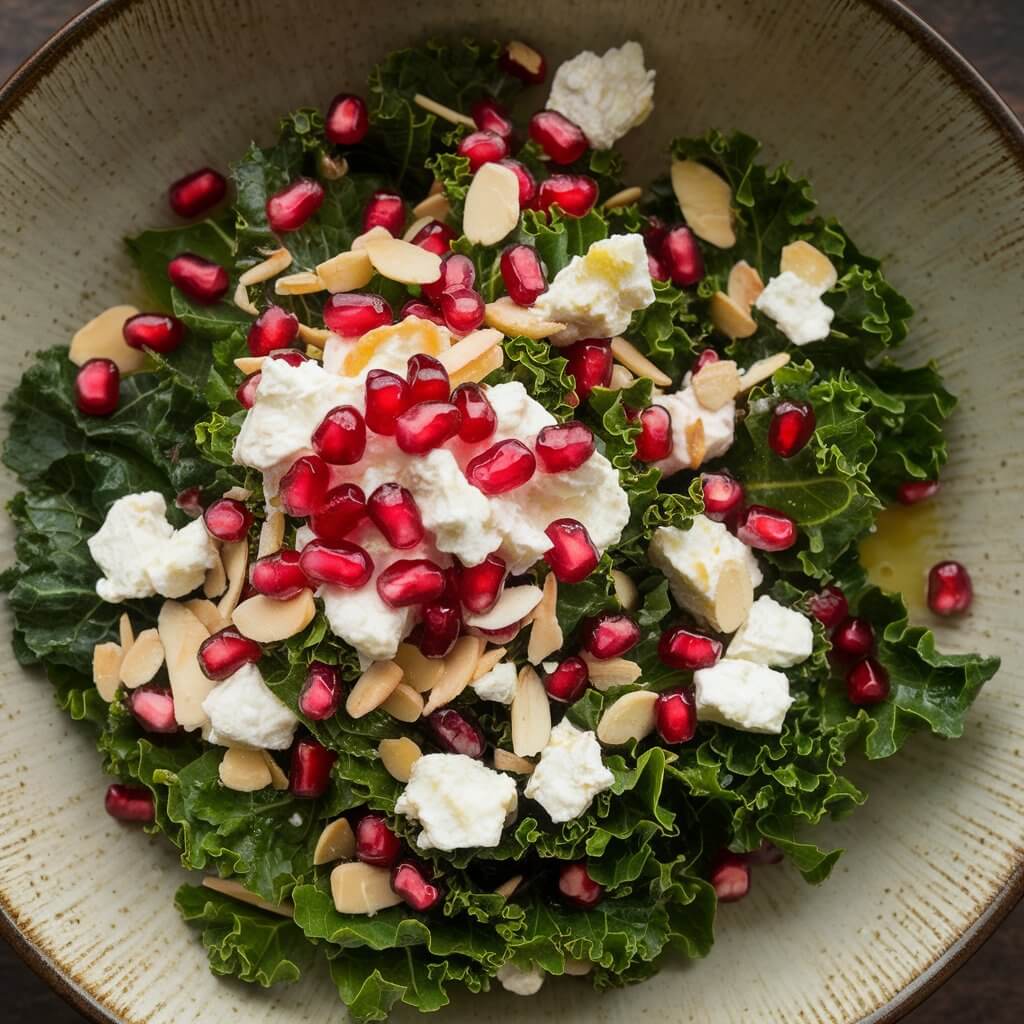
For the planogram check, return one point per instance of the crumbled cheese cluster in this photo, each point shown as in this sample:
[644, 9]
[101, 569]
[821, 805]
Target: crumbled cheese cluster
[773, 635]
[570, 773]
[742, 694]
[243, 710]
[796, 307]
[498, 685]
[718, 429]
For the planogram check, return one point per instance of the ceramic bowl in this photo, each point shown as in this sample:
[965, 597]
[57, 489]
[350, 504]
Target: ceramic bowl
[905, 144]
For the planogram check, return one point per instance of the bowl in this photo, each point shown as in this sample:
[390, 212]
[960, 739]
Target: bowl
[904, 142]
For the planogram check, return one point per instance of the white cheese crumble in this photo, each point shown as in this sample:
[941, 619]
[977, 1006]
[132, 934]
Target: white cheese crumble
[796, 307]
[142, 555]
[743, 695]
[773, 635]
[519, 982]
[570, 773]
[498, 685]
[458, 801]
[598, 293]
[295, 820]
[719, 429]
[242, 709]
[607, 95]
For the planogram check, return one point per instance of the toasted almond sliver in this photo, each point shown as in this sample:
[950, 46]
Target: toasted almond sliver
[611, 672]
[336, 842]
[313, 336]
[744, 285]
[238, 494]
[276, 263]
[531, 715]
[243, 302]
[514, 605]
[143, 659]
[811, 264]
[734, 595]
[487, 661]
[506, 316]
[625, 590]
[492, 205]
[436, 187]
[545, 633]
[459, 665]
[216, 581]
[445, 113]
[760, 371]
[470, 349]
[706, 202]
[625, 197]
[633, 359]
[266, 621]
[378, 231]
[525, 56]
[181, 634]
[493, 359]
[508, 887]
[359, 888]
[249, 364]
[103, 338]
[506, 761]
[346, 272]
[229, 887]
[106, 669]
[403, 262]
[405, 704]
[621, 378]
[577, 968]
[271, 533]
[278, 779]
[415, 228]
[418, 671]
[302, 283]
[125, 631]
[398, 757]
[435, 206]
[695, 446]
[235, 555]
[206, 612]
[315, 353]
[373, 687]
[244, 771]
[717, 384]
[730, 317]
[332, 169]
[631, 717]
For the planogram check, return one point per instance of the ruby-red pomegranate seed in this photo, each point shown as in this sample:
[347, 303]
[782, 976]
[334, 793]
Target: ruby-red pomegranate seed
[563, 447]
[576, 194]
[98, 387]
[153, 708]
[352, 314]
[342, 511]
[310, 774]
[683, 649]
[480, 585]
[130, 803]
[347, 120]
[457, 271]
[320, 696]
[568, 681]
[562, 141]
[394, 512]
[656, 268]
[338, 565]
[479, 420]
[503, 467]
[654, 442]
[227, 519]
[610, 635]
[428, 379]
[523, 62]
[376, 844]
[654, 233]
[435, 237]
[463, 310]
[950, 591]
[279, 575]
[791, 427]
[158, 331]
[385, 210]
[577, 887]
[730, 876]
[245, 393]
[523, 274]
[527, 182]
[426, 426]
[490, 116]
[410, 581]
[422, 310]
[456, 732]
[482, 148]
[224, 653]
[766, 529]
[292, 206]
[913, 491]
[340, 439]
[590, 363]
[410, 880]
[723, 496]
[705, 357]
[440, 628]
[190, 501]
[867, 683]
[675, 716]
[197, 192]
[304, 486]
[291, 356]
[387, 397]
[829, 606]
[682, 257]
[853, 638]
[200, 280]
[274, 328]
[572, 556]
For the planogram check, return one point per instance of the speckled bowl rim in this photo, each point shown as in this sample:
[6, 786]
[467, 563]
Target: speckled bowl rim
[971, 82]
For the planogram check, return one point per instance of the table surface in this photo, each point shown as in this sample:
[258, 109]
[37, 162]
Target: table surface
[991, 35]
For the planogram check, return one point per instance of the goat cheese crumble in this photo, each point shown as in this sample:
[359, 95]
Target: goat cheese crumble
[718, 429]
[797, 308]
[773, 635]
[242, 709]
[570, 773]
[518, 981]
[743, 695]
[498, 685]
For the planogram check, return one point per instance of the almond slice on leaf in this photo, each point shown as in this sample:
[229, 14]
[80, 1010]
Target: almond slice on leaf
[631, 717]
[611, 672]
[514, 604]
[271, 533]
[810, 264]
[434, 207]
[103, 338]
[206, 612]
[506, 761]
[531, 715]
[405, 704]
[418, 671]
[235, 555]
[459, 665]
[106, 669]
[313, 336]
[734, 596]
[512, 319]
[509, 886]
[125, 632]
[491, 212]
[302, 283]
[278, 779]
[625, 590]
[336, 842]
[744, 285]
[525, 56]
[265, 620]
[249, 364]
[624, 197]
[398, 757]
[621, 378]
[244, 771]
[238, 494]
[216, 581]
[359, 888]
[276, 263]
[763, 369]
[493, 359]
[626, 353]
[236, 891]
[181, 634]
[716, 384]
[545, 633]
[469, 351]
[706, 202]
[243, 302]
[143, 659]
[488, 660]
[346, 272]
[441, 111]
[378, 231]
[730, 317]
[372, 688]
[404, 262]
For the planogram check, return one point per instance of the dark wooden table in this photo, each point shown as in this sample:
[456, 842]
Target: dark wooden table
[991, 34]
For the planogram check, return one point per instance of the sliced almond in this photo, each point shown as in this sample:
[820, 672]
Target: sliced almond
[372, 688]
[271, 533]
[276, 263]
[103, 338]
[378, 231]
[398, 757]
[695, 448]
[244, 771]
[143, 660]
[611, 672]
[415, 228]
[466, 352]
[127, 635]
[525, 56]
[243, 302]
[434, 207]
[488, 660]
[514, 604]
[811, 264]
[545, 633]
[206, 612]
[744, 285]
[493, 359]
[418, 671]
[716, 384]
[331, 168]
[313, 336]
[706, 202]
[443, 112]
[266, 621]
[238, 494]
[106, 669]
[763, 369]
[631, 717]
[491, 212]
[336, 842]
[633, 359]
[229, 887]
[404, 262]
[730, 317]
[346, 272]
[436, 187]
[734, 595]
[508, 887]
[235, 555]
[302, 283]
[514, 320]
[621, 378]
[531, 715]
[625, 590]
[459, 665]
[315, 353]
[405, 704]
[577, 968]
[249, 364]
[278, 779]
[216, 581]
[359, 888]
[182, 633]
[624, 197]
[506, 761]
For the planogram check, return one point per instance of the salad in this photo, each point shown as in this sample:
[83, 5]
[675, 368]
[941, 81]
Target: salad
[456, 556]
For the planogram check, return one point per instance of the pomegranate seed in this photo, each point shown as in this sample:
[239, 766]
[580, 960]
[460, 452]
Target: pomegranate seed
[503, 467]
[290, 356]
[304, 486]
[723, 496]
[482, 148]
[656, 268]
[274, 328]
[153, 708]
[682, 257]
[730, 876]
[410, 881]
[867, 683]
[577, 887]
[523, 62]
[480, 585]
[766, 529]
[462, 309]
[420, 309]
[523, 274]
[610, 635]
[479, 420]
[340, 439]
[791, 427]
[387, 397]
[829, 607]
[197, 279]
[347, 120]
[576, 194]
[130, 803]
[490, 116]
[157, 331]
[442, 624]
[913, 491]
[279, 575]
[590, 363]
[435, 237]
[385, 210]
[675, 716]
[562, 141]
[654, 233]
[340, 565]
[949, 589]
[427, 426]
[343, 510]
[687, 651]
[428, 379]
[197, 192]
[352, 314]
[320, 696]
[563, 447]
[572, 556]
[394, 512]
[456, 732]
[376, 844]
[853, 638]
[568, 681]
[98, 387]
[704, 358]
[227, 519]
[410, 581]
[290, 208]
[224, 653]
[654, 442]
[457, 271]
[311, 765]
[190, 501]
[527, 183]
